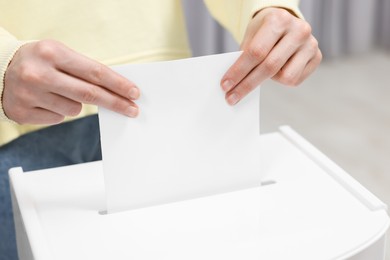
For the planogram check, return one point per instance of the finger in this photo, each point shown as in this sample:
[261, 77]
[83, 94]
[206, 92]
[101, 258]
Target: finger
[84, 92]
[98, 74]
[279, 55]
[43, 117]
[310, 67]
[292, 71]
[256, 51]
[290, 74]
[60, 105]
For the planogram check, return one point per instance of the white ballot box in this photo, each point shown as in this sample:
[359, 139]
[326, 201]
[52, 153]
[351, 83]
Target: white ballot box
[306, 208]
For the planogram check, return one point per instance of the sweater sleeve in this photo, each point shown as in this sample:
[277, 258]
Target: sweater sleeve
[9, 45]
[235, 15]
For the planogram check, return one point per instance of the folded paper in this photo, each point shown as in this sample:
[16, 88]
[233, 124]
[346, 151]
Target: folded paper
[186, 142]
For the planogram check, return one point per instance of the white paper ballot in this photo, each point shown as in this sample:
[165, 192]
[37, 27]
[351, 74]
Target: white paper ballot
[186, 142]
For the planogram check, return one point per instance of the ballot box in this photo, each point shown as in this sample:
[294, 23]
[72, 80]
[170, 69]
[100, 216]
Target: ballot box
[306, 208]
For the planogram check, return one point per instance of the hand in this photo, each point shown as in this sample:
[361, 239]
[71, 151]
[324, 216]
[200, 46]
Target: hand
[47, 81]
[276, 45]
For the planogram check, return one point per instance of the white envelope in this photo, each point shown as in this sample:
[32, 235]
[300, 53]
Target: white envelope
[187, 141]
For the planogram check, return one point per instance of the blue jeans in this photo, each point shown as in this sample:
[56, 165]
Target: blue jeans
[68, 143]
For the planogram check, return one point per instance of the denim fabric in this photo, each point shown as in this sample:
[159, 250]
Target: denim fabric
[68, 143]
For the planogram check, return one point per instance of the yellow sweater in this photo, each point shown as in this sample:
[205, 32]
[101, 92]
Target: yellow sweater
[112, 32]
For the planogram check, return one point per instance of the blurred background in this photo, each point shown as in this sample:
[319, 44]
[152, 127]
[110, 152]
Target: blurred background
[344, 107]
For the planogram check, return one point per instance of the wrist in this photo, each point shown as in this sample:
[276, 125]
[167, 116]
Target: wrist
[7, 53]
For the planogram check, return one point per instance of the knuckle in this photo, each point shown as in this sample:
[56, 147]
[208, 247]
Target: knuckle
[279, 17]
[97, 73]
[28, 73]
[245, 87]
[89, 95]
[286, 76]
[271, 18]
[284, 16]
[47, 49]
[304, 30]
[234, 71]
[313, 44]
[257, 52]
[233, 74]
[271, 65]
[289, 79]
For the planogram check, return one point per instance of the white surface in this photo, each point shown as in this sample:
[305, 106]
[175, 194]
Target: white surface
[343, 109]
[187, 141]
[306, 215]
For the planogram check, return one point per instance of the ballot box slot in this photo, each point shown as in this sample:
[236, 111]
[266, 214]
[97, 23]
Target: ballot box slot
[268, 182]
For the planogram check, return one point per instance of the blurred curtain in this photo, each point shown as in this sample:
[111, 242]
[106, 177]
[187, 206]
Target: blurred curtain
[206, 36]
[349, 26]
[341, 26]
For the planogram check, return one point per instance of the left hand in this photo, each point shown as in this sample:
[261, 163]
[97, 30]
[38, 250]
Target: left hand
[276, 45]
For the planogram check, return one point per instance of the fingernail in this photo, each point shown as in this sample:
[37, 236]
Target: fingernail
[233, 99]
[134, 93]
[132, 111]
[227, 85]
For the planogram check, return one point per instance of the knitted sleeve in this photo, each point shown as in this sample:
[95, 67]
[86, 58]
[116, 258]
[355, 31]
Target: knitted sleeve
[9, 45]
[235, 15]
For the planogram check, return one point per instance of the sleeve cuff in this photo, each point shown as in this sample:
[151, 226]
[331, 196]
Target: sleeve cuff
[7, 52]
[289, 5]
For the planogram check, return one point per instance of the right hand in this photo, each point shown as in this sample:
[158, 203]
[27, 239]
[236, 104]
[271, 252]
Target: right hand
[47, 81]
